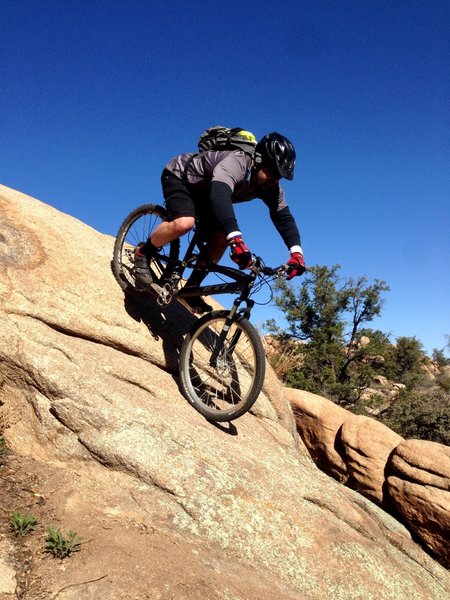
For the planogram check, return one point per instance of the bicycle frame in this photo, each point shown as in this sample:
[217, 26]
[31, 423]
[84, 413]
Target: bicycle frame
[243, 282]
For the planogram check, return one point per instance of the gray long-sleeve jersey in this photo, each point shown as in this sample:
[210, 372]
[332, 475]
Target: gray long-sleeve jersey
[225, 176]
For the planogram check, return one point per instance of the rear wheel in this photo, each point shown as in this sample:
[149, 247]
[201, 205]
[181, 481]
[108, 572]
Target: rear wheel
[224, 389]
[136, 228]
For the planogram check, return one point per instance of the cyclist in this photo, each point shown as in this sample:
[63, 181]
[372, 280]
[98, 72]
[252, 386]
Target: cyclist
[205, 186]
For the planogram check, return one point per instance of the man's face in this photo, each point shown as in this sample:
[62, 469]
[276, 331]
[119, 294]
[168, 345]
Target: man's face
[265, 178]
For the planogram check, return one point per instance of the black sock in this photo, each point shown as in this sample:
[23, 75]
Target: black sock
[148, 249]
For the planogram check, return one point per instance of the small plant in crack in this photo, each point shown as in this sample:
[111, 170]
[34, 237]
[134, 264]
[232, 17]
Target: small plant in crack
[2, 450]
[22, 524]
[61, 546]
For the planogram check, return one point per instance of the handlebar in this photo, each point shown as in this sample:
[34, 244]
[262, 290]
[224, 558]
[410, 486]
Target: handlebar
[258, 267]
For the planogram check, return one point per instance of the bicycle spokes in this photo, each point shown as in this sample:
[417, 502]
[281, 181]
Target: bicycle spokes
[138, 228]
[224, 367]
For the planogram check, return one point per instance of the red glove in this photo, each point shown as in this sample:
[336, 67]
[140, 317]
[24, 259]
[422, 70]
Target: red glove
[295, 265]
[239, 252]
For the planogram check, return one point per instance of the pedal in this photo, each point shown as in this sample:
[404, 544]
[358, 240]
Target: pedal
[164, 294]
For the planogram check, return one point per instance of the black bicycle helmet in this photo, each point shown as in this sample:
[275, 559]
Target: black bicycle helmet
[278, 153]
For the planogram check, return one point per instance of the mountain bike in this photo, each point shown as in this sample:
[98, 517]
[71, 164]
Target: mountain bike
[222, 360]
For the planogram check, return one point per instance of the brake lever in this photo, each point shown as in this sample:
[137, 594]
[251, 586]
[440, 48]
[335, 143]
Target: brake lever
[276, 273]
[257, 264]
[259, 267]
[279, 272]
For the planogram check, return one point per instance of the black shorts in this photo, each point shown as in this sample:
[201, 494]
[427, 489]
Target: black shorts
[180, 201]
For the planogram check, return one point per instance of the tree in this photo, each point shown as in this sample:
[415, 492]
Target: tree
[313, 314]
[438, 357]
[322, 345]
[408, 356]
[326, 314]
[325, 309]
[379, 342]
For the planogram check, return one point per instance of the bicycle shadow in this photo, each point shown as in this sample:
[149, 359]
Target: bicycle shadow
[168, 324]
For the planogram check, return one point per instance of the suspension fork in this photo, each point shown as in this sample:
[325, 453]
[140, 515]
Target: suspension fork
[232, 317]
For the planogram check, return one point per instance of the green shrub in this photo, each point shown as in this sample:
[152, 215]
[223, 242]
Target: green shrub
[22, 524]
[423, 414]
[2, 450]
[443, 381]
[59, 545]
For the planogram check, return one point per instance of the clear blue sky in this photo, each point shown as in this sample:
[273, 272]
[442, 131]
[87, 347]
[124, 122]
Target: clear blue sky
[97, 95]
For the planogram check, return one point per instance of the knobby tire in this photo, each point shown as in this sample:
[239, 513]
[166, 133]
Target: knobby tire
[137, 227]
[229, 389]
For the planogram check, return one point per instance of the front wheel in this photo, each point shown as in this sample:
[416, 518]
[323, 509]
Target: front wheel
[224, 388]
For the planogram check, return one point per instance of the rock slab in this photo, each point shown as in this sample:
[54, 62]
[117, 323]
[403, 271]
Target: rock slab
[88, 387]
[418, 477]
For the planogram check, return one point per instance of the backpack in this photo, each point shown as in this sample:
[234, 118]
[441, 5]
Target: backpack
[222, 138]
[226, 138]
